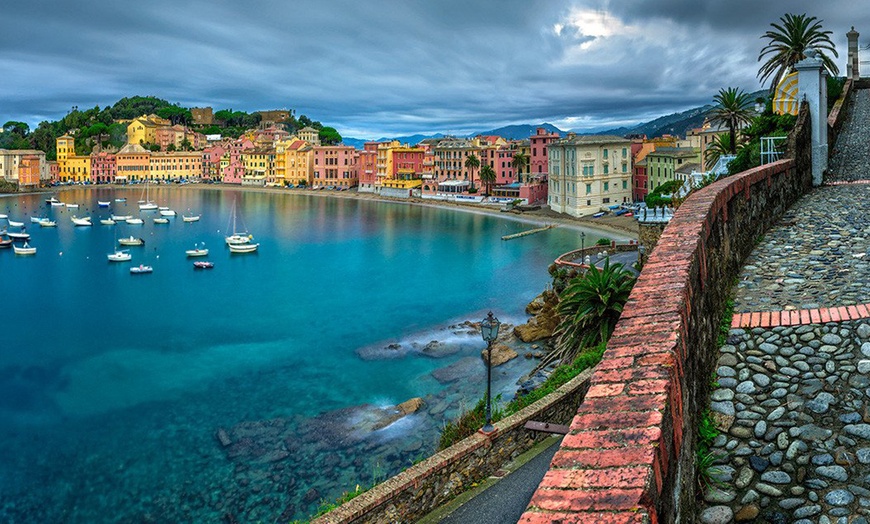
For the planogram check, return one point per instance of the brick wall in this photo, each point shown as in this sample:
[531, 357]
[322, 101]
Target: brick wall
[436, 480]
[629, 457]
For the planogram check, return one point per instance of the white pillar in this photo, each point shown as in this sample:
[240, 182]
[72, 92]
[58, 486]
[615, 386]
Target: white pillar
[813, 87]
[852, 58]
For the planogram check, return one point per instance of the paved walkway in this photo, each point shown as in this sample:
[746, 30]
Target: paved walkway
[792, 392]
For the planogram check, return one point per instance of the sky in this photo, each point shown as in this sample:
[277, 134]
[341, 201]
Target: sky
[383, 68]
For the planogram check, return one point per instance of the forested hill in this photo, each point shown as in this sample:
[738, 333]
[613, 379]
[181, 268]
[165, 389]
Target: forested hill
[101, 125]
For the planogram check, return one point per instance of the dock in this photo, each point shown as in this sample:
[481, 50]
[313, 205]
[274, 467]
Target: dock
[529, 232]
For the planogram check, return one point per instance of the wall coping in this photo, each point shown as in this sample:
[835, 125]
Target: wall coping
[614, 463]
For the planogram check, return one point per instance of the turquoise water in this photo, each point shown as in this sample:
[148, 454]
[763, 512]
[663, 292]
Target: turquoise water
[113, 386]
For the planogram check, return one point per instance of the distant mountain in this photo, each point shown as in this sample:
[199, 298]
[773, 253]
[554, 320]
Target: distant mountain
[520, 131]
[409, 139]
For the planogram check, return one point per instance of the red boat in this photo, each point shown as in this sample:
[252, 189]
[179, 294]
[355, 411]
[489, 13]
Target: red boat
[203, 265]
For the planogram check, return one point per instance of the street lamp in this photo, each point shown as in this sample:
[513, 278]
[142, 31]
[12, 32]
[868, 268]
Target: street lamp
[489, 332]
[582, 241]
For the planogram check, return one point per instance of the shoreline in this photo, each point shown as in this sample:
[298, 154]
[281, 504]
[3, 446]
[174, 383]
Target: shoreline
[622, 228]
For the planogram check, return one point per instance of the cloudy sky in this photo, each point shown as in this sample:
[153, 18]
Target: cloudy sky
[374, 68]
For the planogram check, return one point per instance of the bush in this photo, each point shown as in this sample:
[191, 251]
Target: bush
[603, 242]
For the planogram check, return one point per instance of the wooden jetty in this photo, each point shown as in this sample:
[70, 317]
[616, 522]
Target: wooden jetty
[529, 232]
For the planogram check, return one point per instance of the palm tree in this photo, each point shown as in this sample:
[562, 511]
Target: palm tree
[487, 176]
[472, 163]
[732, 109]
[720, 146]
[589, 307]
[520, 161]
[788, 43]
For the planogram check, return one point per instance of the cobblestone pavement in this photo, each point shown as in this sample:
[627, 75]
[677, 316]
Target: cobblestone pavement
[793, 401]
[852, 149]
[818, 255]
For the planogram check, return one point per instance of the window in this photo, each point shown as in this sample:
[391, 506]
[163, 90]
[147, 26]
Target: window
[624, 152]
[606, 169]
[605, 200]
[606, 186]
[625, 184]
[588, 189]
[605, 154]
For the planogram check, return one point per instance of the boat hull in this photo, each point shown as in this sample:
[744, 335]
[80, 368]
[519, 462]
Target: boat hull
[244, 248]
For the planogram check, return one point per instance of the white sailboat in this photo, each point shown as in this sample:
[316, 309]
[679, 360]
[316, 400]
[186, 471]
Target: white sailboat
[243, 248]
[107, 222]
[47, 223]
[237, 238]
[86, 221]
[147, 204]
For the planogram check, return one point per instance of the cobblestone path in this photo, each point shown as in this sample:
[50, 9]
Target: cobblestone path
[792, 393]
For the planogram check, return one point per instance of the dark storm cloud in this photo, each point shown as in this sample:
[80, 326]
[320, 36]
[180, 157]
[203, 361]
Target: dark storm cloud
[380, 68]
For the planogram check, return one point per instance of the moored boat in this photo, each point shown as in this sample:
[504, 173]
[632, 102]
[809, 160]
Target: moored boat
[107, 221]
[47, 223]
[86, 221]
[13, 223]
[243, 248]
[121, 218]
[203, 264]
[57, 204]
[121, 255]
[190, 218]
[135, 221]
[160, 220]
[103, 204]
[37, 220]
[197, 251]
[26, 249]
[167, 212]
[5, 243]
[131, 241]
[237, 238]
[120, 200]
[72, 206]
[51, 200]
[19, 236]
[141, 269]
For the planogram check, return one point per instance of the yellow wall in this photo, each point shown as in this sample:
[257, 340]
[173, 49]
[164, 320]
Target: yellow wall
[71, 167]
[181, 165]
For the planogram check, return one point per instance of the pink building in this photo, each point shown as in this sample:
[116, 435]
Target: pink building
[104, 167]
[408, 163]
[232, 167]
[505, 173]
[334, 166]
[367, 167]
[538, 143]
[211, 162]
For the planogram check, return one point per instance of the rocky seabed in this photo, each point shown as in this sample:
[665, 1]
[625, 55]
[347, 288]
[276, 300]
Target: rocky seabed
[793, 404]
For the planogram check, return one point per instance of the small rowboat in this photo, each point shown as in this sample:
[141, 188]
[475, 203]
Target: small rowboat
[14, 223]
[193, 218]
[141, 269]
[19, 236]
[47, 223]
[56, 204]
[203, 264]
[72, 206]
[103, 204]
[243, 248]
[135, 221]
[86, 221]
[161, 220]
[24, 250]
[107, 222]
[131, 241]
[121, 218]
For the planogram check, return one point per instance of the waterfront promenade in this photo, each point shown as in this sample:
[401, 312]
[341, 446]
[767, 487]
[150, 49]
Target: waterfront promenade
[792, 383]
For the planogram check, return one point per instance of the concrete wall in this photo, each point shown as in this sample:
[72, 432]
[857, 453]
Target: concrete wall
[630, 454]
[425, 486]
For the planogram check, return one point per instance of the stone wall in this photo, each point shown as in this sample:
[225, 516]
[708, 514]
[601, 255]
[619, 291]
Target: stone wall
[630, 454]
[427, 485]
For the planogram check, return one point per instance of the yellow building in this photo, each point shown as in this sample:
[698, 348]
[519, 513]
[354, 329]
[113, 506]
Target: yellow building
[293, 164]
[143, 130]
[259, 166]
[70, 166]
[180, 165]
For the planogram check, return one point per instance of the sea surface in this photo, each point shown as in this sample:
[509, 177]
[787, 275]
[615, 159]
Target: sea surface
[251, 392]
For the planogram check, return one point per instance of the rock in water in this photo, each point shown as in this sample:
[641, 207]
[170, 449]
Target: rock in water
[410, 406]
[500, 354]
[223, 437]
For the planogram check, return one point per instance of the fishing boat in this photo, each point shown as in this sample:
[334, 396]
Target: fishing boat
[107, 221]
[168, 213]
[197, 251]
[37, 220]
[72, 206]
[5, 243]
[26, 249]
[51, 200]
[47, 223]
[190, 218]
[135, 221]
[237, 238]
[147, 204]
[141, 269]
[243, 248]
[19, 236]
[131, 241]
[57, 204]
[161, 220]
[14, 223]
[121, 255]
[86, 221]
[121, 218]
[120, 200]
[103, 204]
[203, 264]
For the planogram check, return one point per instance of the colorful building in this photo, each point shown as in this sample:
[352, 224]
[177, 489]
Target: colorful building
[71, 167]
[232, 165]
[367, 166]
[334, 167]
[174, 166]
[104, 168]
[662, 164]
[143, 130]
[259, 167]
[26, 168]
[588, 173]
[538, 159]
[134, 163]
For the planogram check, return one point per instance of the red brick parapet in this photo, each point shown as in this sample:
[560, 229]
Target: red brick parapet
[629, 455]
[800, 317]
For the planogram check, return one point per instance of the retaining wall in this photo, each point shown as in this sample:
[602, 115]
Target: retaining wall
[436, 480]
[629, 457]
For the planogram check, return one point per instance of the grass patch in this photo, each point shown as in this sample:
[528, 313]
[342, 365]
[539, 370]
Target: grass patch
[725, 323]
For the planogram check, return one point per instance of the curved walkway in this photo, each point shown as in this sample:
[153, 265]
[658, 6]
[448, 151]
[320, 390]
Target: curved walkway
[792, 388]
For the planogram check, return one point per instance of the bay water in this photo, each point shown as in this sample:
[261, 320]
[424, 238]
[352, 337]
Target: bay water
[238, 392]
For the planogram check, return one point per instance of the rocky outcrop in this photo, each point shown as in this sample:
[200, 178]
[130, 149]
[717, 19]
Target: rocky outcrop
[500, 354]
[545, 321]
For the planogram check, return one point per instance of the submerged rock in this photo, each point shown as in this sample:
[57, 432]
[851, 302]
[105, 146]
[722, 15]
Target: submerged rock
[459, 369]
[500, 354]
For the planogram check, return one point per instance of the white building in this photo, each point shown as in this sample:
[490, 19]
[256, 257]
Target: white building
[589, 173]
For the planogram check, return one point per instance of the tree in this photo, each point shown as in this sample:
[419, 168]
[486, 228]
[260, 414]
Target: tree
[329, 136]
[720, 146]
[487, 176]
[788, 44]
[732, 109]
[19, 128]
[520, 161]
[472, 163]
[589, 308]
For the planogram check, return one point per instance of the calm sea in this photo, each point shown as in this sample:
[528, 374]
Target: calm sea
[116, 390]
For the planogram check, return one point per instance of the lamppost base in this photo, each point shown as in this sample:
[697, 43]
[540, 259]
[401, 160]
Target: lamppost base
[488, 428]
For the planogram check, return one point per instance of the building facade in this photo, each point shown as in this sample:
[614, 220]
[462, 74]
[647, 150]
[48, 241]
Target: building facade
[334, 167]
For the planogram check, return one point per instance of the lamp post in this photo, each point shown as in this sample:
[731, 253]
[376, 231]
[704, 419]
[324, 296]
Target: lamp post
[489, 332]
[582, 241]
